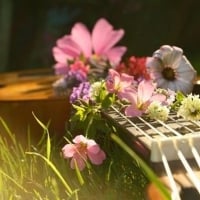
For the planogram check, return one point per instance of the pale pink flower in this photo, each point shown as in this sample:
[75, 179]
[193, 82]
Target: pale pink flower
[81, 150]
[142, 98]
[118, 83]
[100, 44]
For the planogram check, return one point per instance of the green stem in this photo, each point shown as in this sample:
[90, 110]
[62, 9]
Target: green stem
[150, 174]
[89, 125]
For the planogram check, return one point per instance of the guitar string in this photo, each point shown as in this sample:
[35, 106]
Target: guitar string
[191, 174]
[172, 182]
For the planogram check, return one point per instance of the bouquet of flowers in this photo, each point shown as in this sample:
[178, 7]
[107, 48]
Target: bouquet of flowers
[91, 66]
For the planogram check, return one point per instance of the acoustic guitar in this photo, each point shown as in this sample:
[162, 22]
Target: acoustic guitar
[170, 148]
[26, 92]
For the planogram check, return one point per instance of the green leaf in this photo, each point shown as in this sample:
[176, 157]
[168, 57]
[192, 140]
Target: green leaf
[108, 101]
[80, 112]
[178, 99]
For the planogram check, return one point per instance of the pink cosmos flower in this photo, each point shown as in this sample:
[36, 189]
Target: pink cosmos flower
[118, 83]
[142, 98]
[98, 45]
[81, 150]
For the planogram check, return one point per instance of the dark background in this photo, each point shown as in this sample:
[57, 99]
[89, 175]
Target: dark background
[35, 26]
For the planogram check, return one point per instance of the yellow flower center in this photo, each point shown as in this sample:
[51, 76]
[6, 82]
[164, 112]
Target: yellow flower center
[82, 147]
[95, 57]
[169, 74]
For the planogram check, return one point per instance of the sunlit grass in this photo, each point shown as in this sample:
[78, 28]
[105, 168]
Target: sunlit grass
[38, 171]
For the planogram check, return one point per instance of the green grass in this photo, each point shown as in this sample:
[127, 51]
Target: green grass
[39, 172]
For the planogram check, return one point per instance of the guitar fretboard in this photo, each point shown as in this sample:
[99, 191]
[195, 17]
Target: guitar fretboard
[173, 141]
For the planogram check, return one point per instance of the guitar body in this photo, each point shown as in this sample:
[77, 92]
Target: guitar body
[26, 92]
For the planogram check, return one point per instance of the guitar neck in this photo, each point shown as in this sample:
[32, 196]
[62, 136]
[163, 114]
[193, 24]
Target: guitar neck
[171, 149]
[27, 85]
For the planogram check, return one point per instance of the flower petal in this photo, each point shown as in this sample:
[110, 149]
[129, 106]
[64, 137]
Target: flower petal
[170, 56]
[184, 86]
[79, 138]
[94, 149]
[104, 37]
[186, 71]
[130, 95]
[129, 90]
[97, 158]
[81, 35]
[114, 54]
[107, 42]
[126, 80]
[68, 46]
[176, 57]
[145, 90]
[68, 150]
[132, 111]
[61, 68]
[158, 98]
[113, 80]
[161, 82]
[60, 56]
[79, 161]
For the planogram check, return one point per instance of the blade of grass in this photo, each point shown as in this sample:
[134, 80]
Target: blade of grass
[53, 167]
[37, 194]
[12, 180]
[109, 172]
[5, 126]
[150, 174]
[78, 173]
[48, 147]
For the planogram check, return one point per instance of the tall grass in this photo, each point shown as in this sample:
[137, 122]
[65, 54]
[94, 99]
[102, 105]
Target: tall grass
[39, 172]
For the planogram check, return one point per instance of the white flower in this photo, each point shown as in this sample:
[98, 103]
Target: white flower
[157, 111]
[190, 108]
[170, 95]
[170, 69]
[96, 89]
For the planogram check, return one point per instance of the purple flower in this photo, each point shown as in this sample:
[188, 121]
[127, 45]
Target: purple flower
[80, 92]
[78, 76]
[78, 70]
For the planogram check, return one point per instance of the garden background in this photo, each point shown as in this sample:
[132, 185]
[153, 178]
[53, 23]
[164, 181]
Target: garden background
[29, 29]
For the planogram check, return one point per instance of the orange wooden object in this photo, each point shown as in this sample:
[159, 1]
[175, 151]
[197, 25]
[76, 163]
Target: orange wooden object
[153, 193]
[24, 92]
